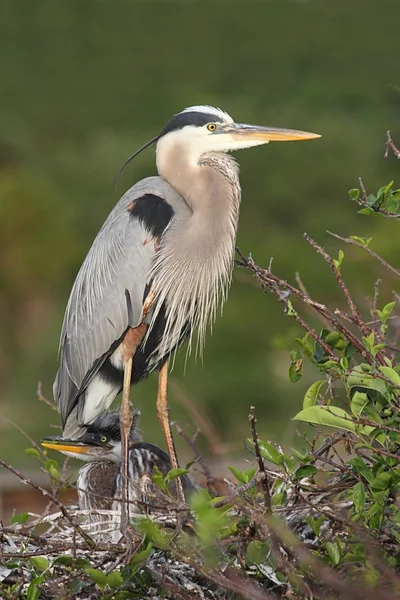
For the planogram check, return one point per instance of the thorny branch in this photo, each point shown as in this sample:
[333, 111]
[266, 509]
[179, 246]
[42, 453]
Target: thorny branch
[56, 501]
[390, 144]
[261, 466]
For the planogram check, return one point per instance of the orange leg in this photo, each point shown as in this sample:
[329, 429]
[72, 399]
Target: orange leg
[126, 424]
[163, 416]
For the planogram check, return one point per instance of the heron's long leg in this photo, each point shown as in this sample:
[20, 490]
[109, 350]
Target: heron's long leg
[126, 424]
[163, 415]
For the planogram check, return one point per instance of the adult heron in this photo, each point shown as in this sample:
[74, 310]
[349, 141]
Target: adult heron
[99, 481]
[157, 271]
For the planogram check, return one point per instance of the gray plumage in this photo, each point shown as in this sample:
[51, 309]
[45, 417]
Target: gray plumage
[162, 261]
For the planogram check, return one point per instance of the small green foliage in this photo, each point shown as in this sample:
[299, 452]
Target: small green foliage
[257, 552]
[41, 563]
[33, 591]
[52, 468]
[173, 473]
[354, 194]
[305, 471]
[243, 477]
[22, 518]
[159, 480]
[33, 452]
[362, 240]
[386, 199]
[98, 577]
[114, 580]
[269, 452]
[311, 395]
[329, 416]
[338, 262]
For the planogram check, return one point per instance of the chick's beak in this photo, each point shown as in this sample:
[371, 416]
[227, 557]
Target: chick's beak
[65, 445]
[254, 133]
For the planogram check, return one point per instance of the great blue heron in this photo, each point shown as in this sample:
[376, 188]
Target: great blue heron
[99, 481]
[158, 269]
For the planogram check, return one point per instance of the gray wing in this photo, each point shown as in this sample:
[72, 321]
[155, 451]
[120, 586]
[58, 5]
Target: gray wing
[107, 296]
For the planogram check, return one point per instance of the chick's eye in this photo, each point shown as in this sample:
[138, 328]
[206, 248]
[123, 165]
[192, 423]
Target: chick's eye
[103, 439]
[211, 127]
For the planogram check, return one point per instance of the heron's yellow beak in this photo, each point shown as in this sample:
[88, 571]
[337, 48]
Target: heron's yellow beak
[256, 133]
[62, 445]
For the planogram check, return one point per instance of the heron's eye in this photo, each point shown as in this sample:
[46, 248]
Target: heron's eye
[103, 439]
[211, 127]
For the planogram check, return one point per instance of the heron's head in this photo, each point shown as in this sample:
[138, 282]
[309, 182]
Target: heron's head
[197, 130]
[101, 440]
[201, 129]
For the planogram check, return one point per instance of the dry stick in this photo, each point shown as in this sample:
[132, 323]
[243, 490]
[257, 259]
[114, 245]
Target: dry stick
[268, 279]
[354, 309]
[261, 466]
[390, 144]
[383, 262]
[56, 501]
[197, 456]
[42, 398]
[271, 281]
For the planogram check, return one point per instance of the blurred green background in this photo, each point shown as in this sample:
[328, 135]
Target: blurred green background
[84, 83]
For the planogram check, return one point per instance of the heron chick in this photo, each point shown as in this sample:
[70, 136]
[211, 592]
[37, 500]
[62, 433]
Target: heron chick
[99, 481]
[157, 271]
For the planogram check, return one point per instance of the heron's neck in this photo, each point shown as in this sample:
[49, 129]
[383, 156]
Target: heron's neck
[194, 265]
[209, 185]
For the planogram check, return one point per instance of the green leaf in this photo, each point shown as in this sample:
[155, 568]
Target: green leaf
[33, 452]
[371, 199]
[339, 260]
[388, 187]
[362, 240]
[393, 203]
[278, 499]
[114, 580]
[330, 417]
[296, 370]
[159, 480]
[358, 402]
[154, 534]
[63, 560]
[97, 577]
[311, 394]
[359, 465]
[239, 476]
[40, 563]
[359, 496]
[173, 473]
[33, 592]
[354, 194]
[306, 471]
[387, 310]
[365, 382]
[390, 374]
[22, 518]
[333, 552]
[257, 552]
[366, 211]
[142, 555]
[315, 524]
[382, 482]
[269, 452]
